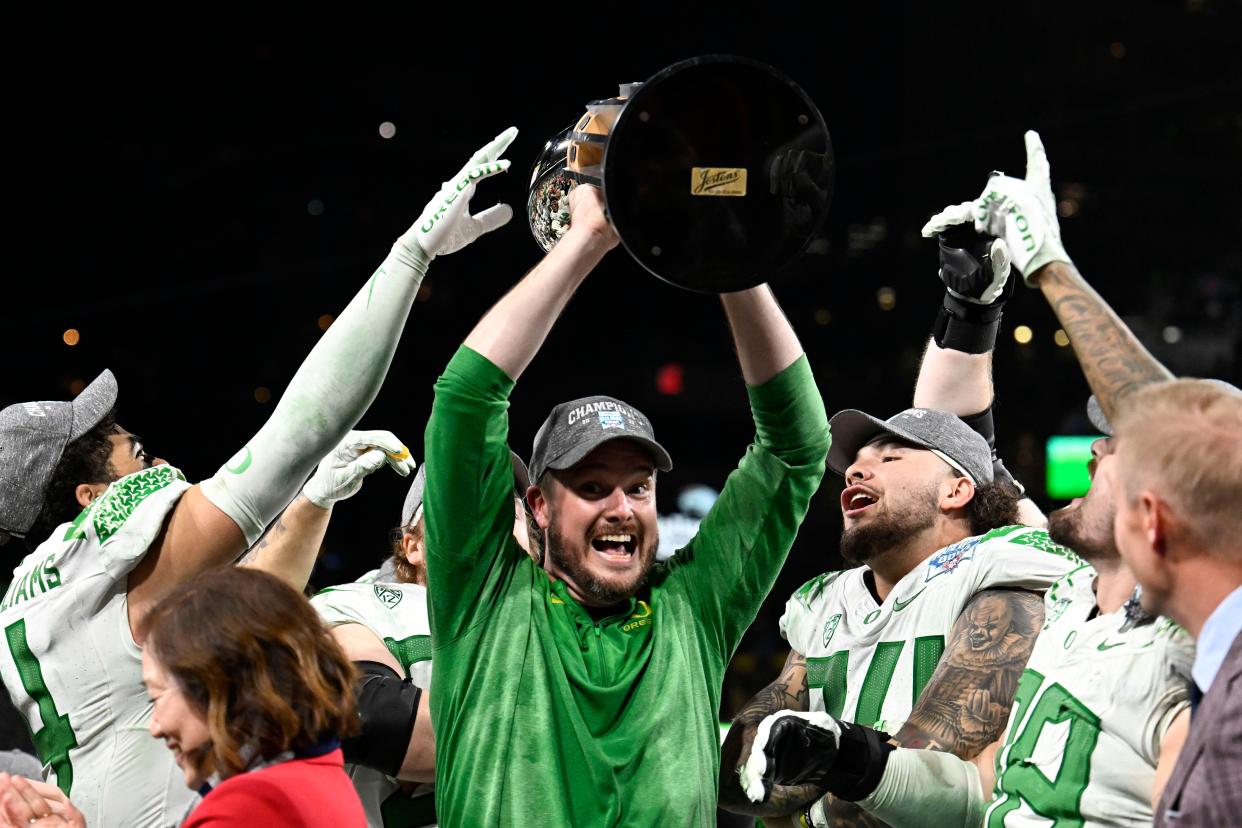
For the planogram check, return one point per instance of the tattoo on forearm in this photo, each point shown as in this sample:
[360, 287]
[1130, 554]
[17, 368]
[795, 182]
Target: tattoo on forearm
[273, 532]
[788, 692]
[1113, 360]
[965, 706]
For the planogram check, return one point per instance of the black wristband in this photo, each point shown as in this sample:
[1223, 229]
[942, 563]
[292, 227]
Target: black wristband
[862, 755]
[965, 326]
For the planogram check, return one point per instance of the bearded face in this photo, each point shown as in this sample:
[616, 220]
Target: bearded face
[600, 518]
[1086, 524]
[890, 522]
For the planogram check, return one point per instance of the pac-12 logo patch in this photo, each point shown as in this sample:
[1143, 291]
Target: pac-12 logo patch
[611, 419]
[830, 628]
[388, 596]
[950, 558]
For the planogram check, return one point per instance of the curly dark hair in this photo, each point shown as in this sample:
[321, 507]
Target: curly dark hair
[87, 459]
[994, 505]
[253, 656]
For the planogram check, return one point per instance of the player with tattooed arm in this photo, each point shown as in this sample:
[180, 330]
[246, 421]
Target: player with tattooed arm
[928, 637]
[1101, 709]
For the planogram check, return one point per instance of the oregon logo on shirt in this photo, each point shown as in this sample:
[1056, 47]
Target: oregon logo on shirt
[641, 617]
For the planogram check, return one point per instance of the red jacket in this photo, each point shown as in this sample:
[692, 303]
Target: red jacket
[306, 793]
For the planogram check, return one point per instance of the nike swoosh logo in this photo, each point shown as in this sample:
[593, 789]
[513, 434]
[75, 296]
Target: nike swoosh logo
[1104, 645]
[899, 605]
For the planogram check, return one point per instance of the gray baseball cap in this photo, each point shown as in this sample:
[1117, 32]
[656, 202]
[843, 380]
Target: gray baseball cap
[414, 498]
[574, 429]
[1095, 413]
[940, 432]
[33, 436]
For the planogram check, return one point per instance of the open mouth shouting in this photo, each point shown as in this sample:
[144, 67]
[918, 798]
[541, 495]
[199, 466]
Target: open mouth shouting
[857, 499]
[616, 548]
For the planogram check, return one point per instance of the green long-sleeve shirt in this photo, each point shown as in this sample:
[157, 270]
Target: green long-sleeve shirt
[545, 716]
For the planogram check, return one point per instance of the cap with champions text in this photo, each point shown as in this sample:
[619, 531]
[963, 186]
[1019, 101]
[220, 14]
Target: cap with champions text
[576, 428]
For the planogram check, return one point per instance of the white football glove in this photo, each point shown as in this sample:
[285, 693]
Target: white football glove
[1023, 212]
[446, 225]
[340, 474]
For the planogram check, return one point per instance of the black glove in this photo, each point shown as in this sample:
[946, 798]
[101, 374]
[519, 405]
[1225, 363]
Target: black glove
[801, 753]
[975, 270]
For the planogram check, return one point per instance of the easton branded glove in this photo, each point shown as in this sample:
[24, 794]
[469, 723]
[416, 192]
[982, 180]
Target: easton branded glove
[340, 474]
[446, 224]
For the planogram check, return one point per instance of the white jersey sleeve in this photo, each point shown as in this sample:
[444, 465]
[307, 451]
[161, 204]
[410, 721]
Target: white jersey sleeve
[71, 666]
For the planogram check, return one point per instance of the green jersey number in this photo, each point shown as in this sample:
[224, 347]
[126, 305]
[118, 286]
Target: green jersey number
[1018, 779]
[55, 739]
[829, 674]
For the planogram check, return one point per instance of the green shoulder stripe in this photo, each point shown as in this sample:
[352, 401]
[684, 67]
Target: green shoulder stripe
[1036, 539]
[814, 588]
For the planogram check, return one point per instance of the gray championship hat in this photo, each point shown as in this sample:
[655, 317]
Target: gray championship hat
[576, 428]
[940, 432]
[33, 437]
[412, 507]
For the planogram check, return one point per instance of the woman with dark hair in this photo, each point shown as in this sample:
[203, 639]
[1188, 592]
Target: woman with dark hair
[252, 695]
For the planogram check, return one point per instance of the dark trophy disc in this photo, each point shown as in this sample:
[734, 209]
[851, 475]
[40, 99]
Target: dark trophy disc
[717, 173]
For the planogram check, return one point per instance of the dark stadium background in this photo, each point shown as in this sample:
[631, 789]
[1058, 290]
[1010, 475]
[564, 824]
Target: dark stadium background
[191, 190]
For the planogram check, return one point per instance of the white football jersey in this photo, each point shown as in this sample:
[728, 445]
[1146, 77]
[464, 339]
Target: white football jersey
[71, 665]
[1091, 710]
[869, 662]
[397, 614]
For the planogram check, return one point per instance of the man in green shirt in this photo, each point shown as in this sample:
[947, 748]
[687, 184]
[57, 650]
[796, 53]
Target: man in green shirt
[585, 690]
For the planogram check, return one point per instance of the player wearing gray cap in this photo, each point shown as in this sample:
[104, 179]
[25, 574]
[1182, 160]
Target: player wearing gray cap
[123, 529]
[925, 638]
[585, 691]
[928, 648]
[1106, 684]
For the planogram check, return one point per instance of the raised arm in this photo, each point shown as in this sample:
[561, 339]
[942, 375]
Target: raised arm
[214, 521]
[469, 504]
[766, 342]
[511, 333]
[1023, 212]
[956, 372]
[1112, 359]
[290, 546]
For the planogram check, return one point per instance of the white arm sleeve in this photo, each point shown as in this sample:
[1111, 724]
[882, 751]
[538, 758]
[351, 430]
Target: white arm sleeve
[326, 398]
[917, 783]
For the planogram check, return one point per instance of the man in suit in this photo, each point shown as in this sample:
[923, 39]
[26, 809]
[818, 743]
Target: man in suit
[1179, 527]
